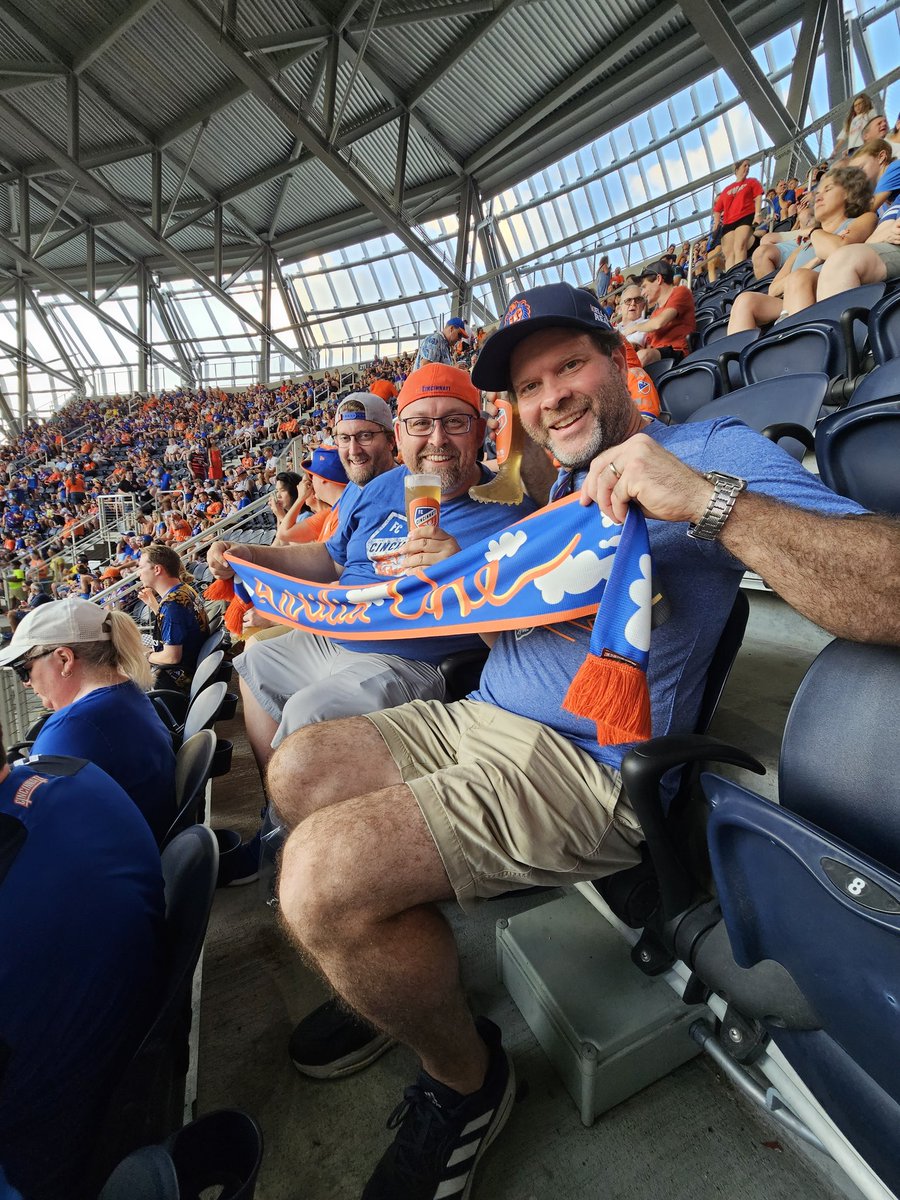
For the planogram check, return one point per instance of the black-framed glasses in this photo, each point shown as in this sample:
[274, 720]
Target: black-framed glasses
[452, 423]
[365, 438]
[23, 667]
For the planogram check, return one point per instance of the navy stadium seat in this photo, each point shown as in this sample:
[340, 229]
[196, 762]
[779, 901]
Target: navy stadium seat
[784, 409]
[858, 449]
[884, 328]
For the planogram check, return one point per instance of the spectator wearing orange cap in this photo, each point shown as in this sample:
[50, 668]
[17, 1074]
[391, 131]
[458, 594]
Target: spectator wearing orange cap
[439, 431]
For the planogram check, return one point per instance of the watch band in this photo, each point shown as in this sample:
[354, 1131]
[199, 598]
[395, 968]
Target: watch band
[726, 489]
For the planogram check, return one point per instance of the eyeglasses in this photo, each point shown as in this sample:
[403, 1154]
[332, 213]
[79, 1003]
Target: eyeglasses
[24, 667]
[634, 300]
[364, 438]
[452, 423]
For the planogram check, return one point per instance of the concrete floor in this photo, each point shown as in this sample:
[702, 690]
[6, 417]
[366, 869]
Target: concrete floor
[687, 1136]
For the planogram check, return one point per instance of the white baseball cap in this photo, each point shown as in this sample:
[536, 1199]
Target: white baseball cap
[62, 623]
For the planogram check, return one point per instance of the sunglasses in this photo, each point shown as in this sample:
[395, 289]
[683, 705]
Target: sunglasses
[24, 666]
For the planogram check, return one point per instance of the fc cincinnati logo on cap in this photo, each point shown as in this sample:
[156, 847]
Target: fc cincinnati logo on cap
[519, 310]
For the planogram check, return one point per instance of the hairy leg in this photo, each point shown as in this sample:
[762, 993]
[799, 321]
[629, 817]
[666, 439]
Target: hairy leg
[358, 882]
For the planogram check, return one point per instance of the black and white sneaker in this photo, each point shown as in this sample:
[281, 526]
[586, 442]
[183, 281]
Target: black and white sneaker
[332, 1042]
[442, 1135]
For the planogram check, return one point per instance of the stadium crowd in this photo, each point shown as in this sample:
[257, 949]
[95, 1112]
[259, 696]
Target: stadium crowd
[391, 829]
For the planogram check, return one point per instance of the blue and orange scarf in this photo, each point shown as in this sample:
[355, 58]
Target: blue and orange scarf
[560, 563]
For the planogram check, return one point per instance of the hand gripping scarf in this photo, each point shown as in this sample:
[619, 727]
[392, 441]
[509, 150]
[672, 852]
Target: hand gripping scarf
[562, 562]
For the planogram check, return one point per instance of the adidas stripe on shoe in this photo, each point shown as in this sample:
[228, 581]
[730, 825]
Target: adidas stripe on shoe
[441, 1135]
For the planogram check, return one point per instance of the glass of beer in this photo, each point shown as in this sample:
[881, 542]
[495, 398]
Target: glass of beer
[423, 500]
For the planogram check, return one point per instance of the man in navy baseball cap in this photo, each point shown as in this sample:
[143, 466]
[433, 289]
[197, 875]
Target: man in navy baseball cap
[556, 305]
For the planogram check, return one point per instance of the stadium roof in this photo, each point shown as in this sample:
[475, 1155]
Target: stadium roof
[191, 135]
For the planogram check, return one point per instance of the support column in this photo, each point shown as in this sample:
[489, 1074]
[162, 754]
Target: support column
[143, 326]
[217, 245]
[801, 79]
[861, 49]
[90, 261]
[837, 75]
[265, 347]
[462, 295]
[22, 348]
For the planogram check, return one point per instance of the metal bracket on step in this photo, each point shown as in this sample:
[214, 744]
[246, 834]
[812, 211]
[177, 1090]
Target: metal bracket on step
[650, 955]
[742, 1039]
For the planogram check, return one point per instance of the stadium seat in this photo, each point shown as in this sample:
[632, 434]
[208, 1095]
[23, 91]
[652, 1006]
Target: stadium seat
[726, 352]
[799, 886]
[688, 387]
[172, 706]
[815, 880]
[462, 671]
[884, 328]
[858, 449]
[220, 1150]
[784, 409]
[881, 384]
[192, 771]
[826, 337]
[212, 643]
[148, 1102]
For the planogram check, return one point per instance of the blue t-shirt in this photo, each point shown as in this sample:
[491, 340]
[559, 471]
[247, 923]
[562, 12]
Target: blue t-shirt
[528, 671]
[81, 924]
[889, 181]
[118, 729]
[373, 523]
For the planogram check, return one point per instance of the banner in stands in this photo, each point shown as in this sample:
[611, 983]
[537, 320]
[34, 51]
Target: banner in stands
[553, 566]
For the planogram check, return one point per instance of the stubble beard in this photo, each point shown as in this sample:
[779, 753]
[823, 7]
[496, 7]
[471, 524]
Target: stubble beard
[613, 410]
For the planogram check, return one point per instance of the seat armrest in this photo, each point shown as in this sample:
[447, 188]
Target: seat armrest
[723, 362]
[787, 429]
[848, 317]
[642, 771]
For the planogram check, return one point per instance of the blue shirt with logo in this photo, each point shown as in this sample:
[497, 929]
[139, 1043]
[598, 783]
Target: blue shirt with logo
[373, 524]
[528, 671]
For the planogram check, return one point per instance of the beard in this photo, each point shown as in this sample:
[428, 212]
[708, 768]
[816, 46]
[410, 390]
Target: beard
[363, 472]
[613, 410]
[449, 472]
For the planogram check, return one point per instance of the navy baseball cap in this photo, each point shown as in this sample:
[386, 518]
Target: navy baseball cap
[553, 305]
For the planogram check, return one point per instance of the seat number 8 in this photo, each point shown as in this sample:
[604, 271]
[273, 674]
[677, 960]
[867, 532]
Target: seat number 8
[856, 886]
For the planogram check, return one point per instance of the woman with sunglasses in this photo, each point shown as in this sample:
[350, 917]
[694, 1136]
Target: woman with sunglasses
[89, 668]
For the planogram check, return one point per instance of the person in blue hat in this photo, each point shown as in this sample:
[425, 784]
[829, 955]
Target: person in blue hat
[427, 801]
[438, 347]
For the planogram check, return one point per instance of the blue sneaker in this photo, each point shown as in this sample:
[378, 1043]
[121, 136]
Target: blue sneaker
[441, 1135]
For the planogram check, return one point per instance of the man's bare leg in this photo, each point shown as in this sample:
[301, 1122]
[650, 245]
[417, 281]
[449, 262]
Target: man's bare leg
[260, 728]
[358, 878]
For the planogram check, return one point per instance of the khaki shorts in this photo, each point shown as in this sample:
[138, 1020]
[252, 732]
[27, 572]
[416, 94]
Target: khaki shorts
[509, 802]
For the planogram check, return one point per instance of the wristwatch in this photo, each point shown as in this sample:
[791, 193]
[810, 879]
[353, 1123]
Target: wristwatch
[726, 489]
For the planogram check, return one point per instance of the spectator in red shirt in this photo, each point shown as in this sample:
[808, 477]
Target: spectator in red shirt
[672, 320]
[738, 210]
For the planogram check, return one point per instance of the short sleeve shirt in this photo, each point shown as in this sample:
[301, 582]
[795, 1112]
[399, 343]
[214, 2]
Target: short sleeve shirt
[435, 349]
[372, 523]
[529, 671]
[675, 334]
[181, 621]
[738, 200]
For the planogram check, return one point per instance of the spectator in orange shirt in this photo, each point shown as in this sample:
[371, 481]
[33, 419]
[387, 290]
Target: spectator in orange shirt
[672, 320]
[384, 388]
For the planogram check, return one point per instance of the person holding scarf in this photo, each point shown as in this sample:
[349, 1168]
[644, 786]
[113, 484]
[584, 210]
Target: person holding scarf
[428, 801]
